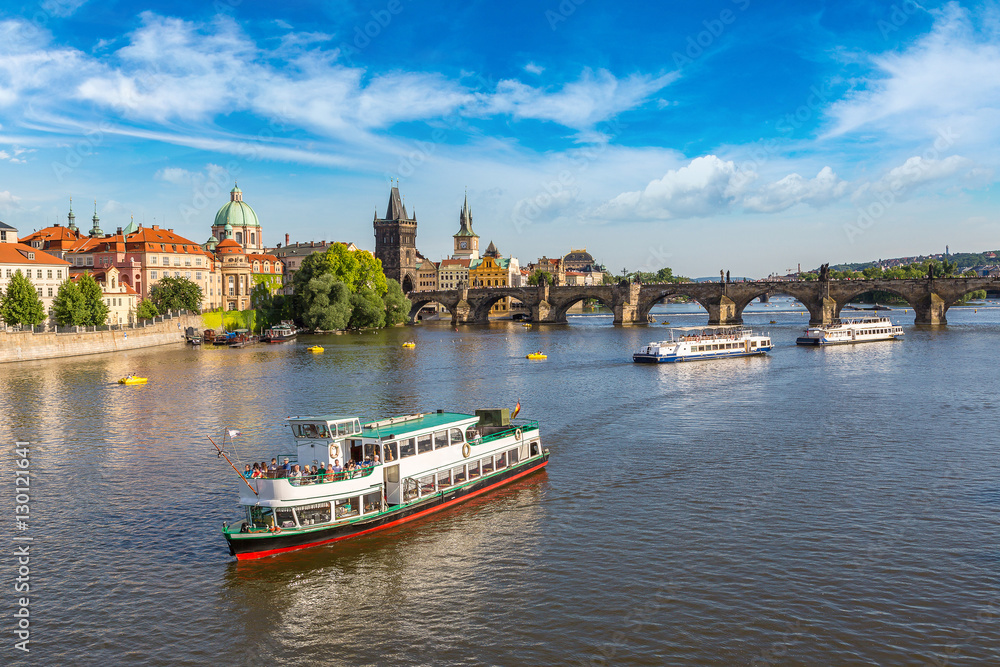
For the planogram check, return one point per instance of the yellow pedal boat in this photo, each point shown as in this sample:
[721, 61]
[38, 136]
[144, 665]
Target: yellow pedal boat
[409, 344]
[132, 380]
[315, 348]
[536, 355]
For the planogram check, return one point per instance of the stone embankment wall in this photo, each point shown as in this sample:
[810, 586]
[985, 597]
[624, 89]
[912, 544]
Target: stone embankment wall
[27, 346]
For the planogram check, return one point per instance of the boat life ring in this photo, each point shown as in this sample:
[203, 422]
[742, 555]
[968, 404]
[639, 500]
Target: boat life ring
[517, 434]
[466, 450]
[334, 451]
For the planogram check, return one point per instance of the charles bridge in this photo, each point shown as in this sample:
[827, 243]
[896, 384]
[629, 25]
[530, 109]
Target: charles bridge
[930, 298]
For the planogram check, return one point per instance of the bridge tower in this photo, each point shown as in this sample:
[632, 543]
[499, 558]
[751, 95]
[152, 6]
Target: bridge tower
[396, 242]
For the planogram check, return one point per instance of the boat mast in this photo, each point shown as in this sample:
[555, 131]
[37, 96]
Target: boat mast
[223, 455]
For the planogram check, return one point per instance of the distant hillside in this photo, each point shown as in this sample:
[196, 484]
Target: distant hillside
[963, 259]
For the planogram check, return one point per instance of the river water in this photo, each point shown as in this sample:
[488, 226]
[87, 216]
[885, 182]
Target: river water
[817, 506]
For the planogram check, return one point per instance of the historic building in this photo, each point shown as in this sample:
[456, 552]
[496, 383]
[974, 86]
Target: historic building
[45, 272]
[453, 273]
[120, 299]
[492, 270]
[396, 242]
[581, 269]
[242, 219]
[291, 256]
[466, 240]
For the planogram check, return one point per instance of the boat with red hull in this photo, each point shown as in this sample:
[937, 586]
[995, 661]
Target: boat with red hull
[401, 469]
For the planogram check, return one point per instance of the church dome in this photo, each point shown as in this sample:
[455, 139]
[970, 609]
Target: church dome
[236, 211]
[579, 257]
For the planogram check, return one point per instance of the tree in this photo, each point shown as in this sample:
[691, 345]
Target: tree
[368, 310]
[21, 303]
[69, 306]
[93, 301]
[539, 275]
[327, 304]
[175, 294]
[146, 310]
[397, 306]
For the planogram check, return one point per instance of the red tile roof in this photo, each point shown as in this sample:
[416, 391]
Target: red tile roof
[17, 253]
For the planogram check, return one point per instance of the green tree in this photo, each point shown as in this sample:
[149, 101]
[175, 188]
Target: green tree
[367, 310]
[21, 303]
[539, 274]
[175, 294]
[146, 310]
[397, 306]
[327, 304]
[93, 301]
[69, 306]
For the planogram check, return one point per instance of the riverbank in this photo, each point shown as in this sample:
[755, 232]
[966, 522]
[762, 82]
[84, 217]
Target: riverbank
[29, 346]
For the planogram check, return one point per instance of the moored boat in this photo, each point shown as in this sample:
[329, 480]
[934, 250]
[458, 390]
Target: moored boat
[699, 343]
[279, 333]
[852, 330]
[402, 468]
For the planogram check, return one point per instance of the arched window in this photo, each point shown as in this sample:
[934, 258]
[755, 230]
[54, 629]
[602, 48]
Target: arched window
[252, 238]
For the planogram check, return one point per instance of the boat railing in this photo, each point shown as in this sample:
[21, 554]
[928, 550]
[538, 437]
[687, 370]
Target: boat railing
[342, 476]
[525, 427]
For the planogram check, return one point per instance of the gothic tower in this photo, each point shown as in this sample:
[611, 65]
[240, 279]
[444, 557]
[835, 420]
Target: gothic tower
[466, 240]
[396, 242]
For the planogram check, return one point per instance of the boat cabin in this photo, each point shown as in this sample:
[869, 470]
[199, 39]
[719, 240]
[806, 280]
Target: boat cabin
[323, 439]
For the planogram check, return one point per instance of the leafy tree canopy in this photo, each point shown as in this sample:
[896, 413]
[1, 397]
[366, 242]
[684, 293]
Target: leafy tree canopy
[368, 309]
[176, 294]
[327, 304]
[69, 307]
[146, 310]
[355, 269]
[397, 306]
[21, 303]
[93, 301]
[538, 274]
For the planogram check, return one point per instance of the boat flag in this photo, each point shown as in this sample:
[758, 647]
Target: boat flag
[517, 408]
[233, 433]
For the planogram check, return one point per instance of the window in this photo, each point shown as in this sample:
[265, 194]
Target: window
[50, 291]
[346, 507]
[197, 275]
[444, 479]
[197, 261]
[252, 238]
[371, 502]
[474, 470]
[407, 447]
[239, 237]
[232, 289]
[177, 274]
[9, 273]
[49, 274]
[177, 261]
[187, 261]
[440, 439]
[90, 260]
[284, 517]
[390, 451]
[39, 274]
[424, 443]
[501, 461]
[166, 261]
[152, 260]
[39, 291]
[3, 236]
[512, 456]
[187, 274]
[152, 275]
[487, 465]
[313, 514]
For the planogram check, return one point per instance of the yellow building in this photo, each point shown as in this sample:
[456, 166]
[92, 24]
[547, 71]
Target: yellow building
[491, 271]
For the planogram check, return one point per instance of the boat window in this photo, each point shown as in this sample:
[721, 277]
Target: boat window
[440, 439]
[372, 502]
[426, 484]
[407, 447]
[342, 430]
[424, 443]
[313, 514]
[534, 448]
[284, 517]
[474, 469]
[488, 465]
[390, 451]
[501, 460]
[458, 474]
[260, 517]
[512, 456]
[346, 507]
[456, 436]
[410, 489]
[357, 426]
[444, 479]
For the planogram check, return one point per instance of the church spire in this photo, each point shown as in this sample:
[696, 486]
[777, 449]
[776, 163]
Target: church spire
[96, 229]
[71, 217]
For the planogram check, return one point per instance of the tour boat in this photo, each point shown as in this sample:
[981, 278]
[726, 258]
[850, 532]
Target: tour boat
[131, 379]
[279, 333]
[696, 343]
[852, 330]
[410, 466]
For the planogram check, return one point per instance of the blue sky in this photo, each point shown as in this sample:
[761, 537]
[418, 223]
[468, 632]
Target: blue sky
[703, 135]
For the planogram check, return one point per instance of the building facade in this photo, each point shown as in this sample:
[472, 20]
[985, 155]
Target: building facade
[396, 242]
[242, 219]
[45, 272]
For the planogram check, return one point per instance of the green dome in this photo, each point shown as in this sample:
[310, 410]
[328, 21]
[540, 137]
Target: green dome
[238, 213]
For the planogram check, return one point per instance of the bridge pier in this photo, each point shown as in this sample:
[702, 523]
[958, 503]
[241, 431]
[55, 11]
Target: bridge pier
[627, 310]
[462, 313]
[722, 311]
[930, 310]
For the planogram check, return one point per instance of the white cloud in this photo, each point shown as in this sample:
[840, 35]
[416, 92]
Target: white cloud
[794, 189]
[9, 201]
[62, 8]
[915, 172]
[174, 175]
[533, 68]
[706, 186]
[951, 76]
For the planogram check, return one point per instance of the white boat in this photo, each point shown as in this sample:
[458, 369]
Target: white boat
[698, 343]
[852, 330]
[407, 467]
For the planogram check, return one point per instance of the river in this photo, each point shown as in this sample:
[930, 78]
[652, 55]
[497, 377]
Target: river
[817, 506]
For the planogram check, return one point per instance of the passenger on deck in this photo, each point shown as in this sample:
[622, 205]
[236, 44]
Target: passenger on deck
[336, 466]
[248, 472]
[256, 473]
[375, 460]
[286, 466]
[273, 468]
[321, 473]
[295, 474]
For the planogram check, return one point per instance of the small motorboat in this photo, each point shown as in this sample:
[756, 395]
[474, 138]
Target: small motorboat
[315, 348]
[409, 344]
[536, 355]
[132, 379]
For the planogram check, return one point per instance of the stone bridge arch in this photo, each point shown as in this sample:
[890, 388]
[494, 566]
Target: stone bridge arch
[420, 299]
